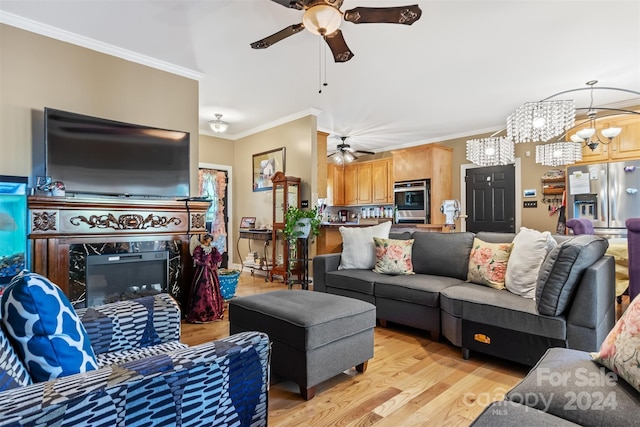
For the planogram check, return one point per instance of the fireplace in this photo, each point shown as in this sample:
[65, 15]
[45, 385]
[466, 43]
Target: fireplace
[67, 231]
[119, 277]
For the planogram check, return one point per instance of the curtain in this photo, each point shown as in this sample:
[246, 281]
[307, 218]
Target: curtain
[213, 184]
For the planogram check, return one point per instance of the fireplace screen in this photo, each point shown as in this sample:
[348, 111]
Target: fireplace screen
[118, 277]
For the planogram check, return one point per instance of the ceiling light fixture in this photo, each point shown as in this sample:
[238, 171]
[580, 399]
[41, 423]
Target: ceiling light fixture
[558, 153]
[541, 121]
[218, 125]
[322, 19]
[545, 119]
[491, 151]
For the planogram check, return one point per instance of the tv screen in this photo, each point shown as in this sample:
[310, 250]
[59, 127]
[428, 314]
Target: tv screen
[96, 156]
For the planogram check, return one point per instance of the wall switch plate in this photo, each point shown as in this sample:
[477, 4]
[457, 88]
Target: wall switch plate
[531, 204]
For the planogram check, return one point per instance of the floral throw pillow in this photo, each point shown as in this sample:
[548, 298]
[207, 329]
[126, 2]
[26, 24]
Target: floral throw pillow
[620, 351]
[393, 256]
[488, 263]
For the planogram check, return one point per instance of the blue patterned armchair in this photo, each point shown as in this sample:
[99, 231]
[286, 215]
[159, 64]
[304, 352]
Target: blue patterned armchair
[144, 375]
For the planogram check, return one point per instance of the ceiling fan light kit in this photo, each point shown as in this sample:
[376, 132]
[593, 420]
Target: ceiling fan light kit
[323, 18]
[345, 154]
[546, 119]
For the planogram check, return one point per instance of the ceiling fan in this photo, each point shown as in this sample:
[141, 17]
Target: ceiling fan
[323, 17]
[344, 153]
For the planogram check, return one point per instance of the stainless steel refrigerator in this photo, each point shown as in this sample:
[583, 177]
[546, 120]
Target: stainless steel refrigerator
[605, 193]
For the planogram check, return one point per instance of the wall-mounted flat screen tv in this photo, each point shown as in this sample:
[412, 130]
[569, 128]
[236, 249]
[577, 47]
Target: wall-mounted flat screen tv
[94, 156]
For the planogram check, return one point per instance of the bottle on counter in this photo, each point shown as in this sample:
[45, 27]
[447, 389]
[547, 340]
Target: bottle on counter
[395, 214]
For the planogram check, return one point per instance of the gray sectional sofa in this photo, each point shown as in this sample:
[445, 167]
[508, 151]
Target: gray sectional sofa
[566, 388]
[578, 280]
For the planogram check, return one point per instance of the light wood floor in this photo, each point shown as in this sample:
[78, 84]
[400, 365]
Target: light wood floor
[411, 381]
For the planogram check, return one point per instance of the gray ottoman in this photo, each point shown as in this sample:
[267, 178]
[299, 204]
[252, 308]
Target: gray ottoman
[314, 335]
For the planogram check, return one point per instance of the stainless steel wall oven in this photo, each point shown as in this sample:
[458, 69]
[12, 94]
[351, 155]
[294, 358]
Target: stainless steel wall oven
[412, 199]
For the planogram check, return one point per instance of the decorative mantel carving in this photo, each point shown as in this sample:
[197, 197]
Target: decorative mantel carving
[126, 221]
[70, 216]
[58, 226]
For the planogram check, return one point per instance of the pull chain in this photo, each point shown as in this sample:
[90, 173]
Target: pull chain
[322, 53]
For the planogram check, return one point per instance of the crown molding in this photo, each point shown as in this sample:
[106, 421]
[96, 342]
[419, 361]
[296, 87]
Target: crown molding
[266, 126]
[89, 43]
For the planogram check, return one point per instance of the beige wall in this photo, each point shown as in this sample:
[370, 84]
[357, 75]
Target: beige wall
[531, 173]
[299, 139]
[217, 151]
[38, 72]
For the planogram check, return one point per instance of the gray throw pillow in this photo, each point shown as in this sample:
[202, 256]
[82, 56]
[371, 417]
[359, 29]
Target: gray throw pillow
[562, 269]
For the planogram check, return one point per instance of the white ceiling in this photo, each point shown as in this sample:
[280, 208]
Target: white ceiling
[460, 70]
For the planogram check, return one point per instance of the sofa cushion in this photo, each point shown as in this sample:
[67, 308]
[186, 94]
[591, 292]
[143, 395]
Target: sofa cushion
[12, 372]
[48, 335]
[358, 250]
[495, 237]
[399, 235]
[442, 254]
[568, 384]
[420, 289]
[530, 248]
[562, 269]
[482, 304]
[620, 351]
[125, 356]
[393, 256]
[361, 281]
[132, 324]
[488, 263]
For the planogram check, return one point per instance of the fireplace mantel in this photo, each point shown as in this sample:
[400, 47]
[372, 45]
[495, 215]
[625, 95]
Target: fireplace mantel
[59, 224]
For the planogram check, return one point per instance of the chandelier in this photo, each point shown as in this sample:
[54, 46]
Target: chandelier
[218, 125]
[541, 121]
[558, 153]
[589, 135]
[491, 151]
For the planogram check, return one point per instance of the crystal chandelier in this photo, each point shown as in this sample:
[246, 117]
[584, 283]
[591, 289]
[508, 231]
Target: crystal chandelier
[490, 151]
[541, 121]
[558, 153]
[218, 125]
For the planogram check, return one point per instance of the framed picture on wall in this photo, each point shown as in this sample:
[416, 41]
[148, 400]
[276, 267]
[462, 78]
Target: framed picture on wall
[248, 222]
[265, 165]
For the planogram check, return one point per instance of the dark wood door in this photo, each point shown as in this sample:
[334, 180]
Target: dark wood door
[490, 199]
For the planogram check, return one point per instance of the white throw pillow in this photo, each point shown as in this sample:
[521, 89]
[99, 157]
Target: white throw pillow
[530, 247]
[358, 249]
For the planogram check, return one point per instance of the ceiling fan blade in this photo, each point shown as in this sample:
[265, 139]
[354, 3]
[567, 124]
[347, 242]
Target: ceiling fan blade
[338, 46]
[364, 152]
[276, 37]
[406, 15]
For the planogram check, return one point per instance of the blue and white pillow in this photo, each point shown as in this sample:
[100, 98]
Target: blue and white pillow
[45, 329]
[12, 372]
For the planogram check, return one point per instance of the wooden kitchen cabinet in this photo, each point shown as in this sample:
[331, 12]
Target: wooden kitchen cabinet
[624, 146]
[382, 181]
[432, 162]
[335, 185]
[351, 185]
[627, 144]
[367, 183]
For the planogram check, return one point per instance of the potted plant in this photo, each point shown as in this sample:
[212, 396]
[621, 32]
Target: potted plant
[301, 223]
